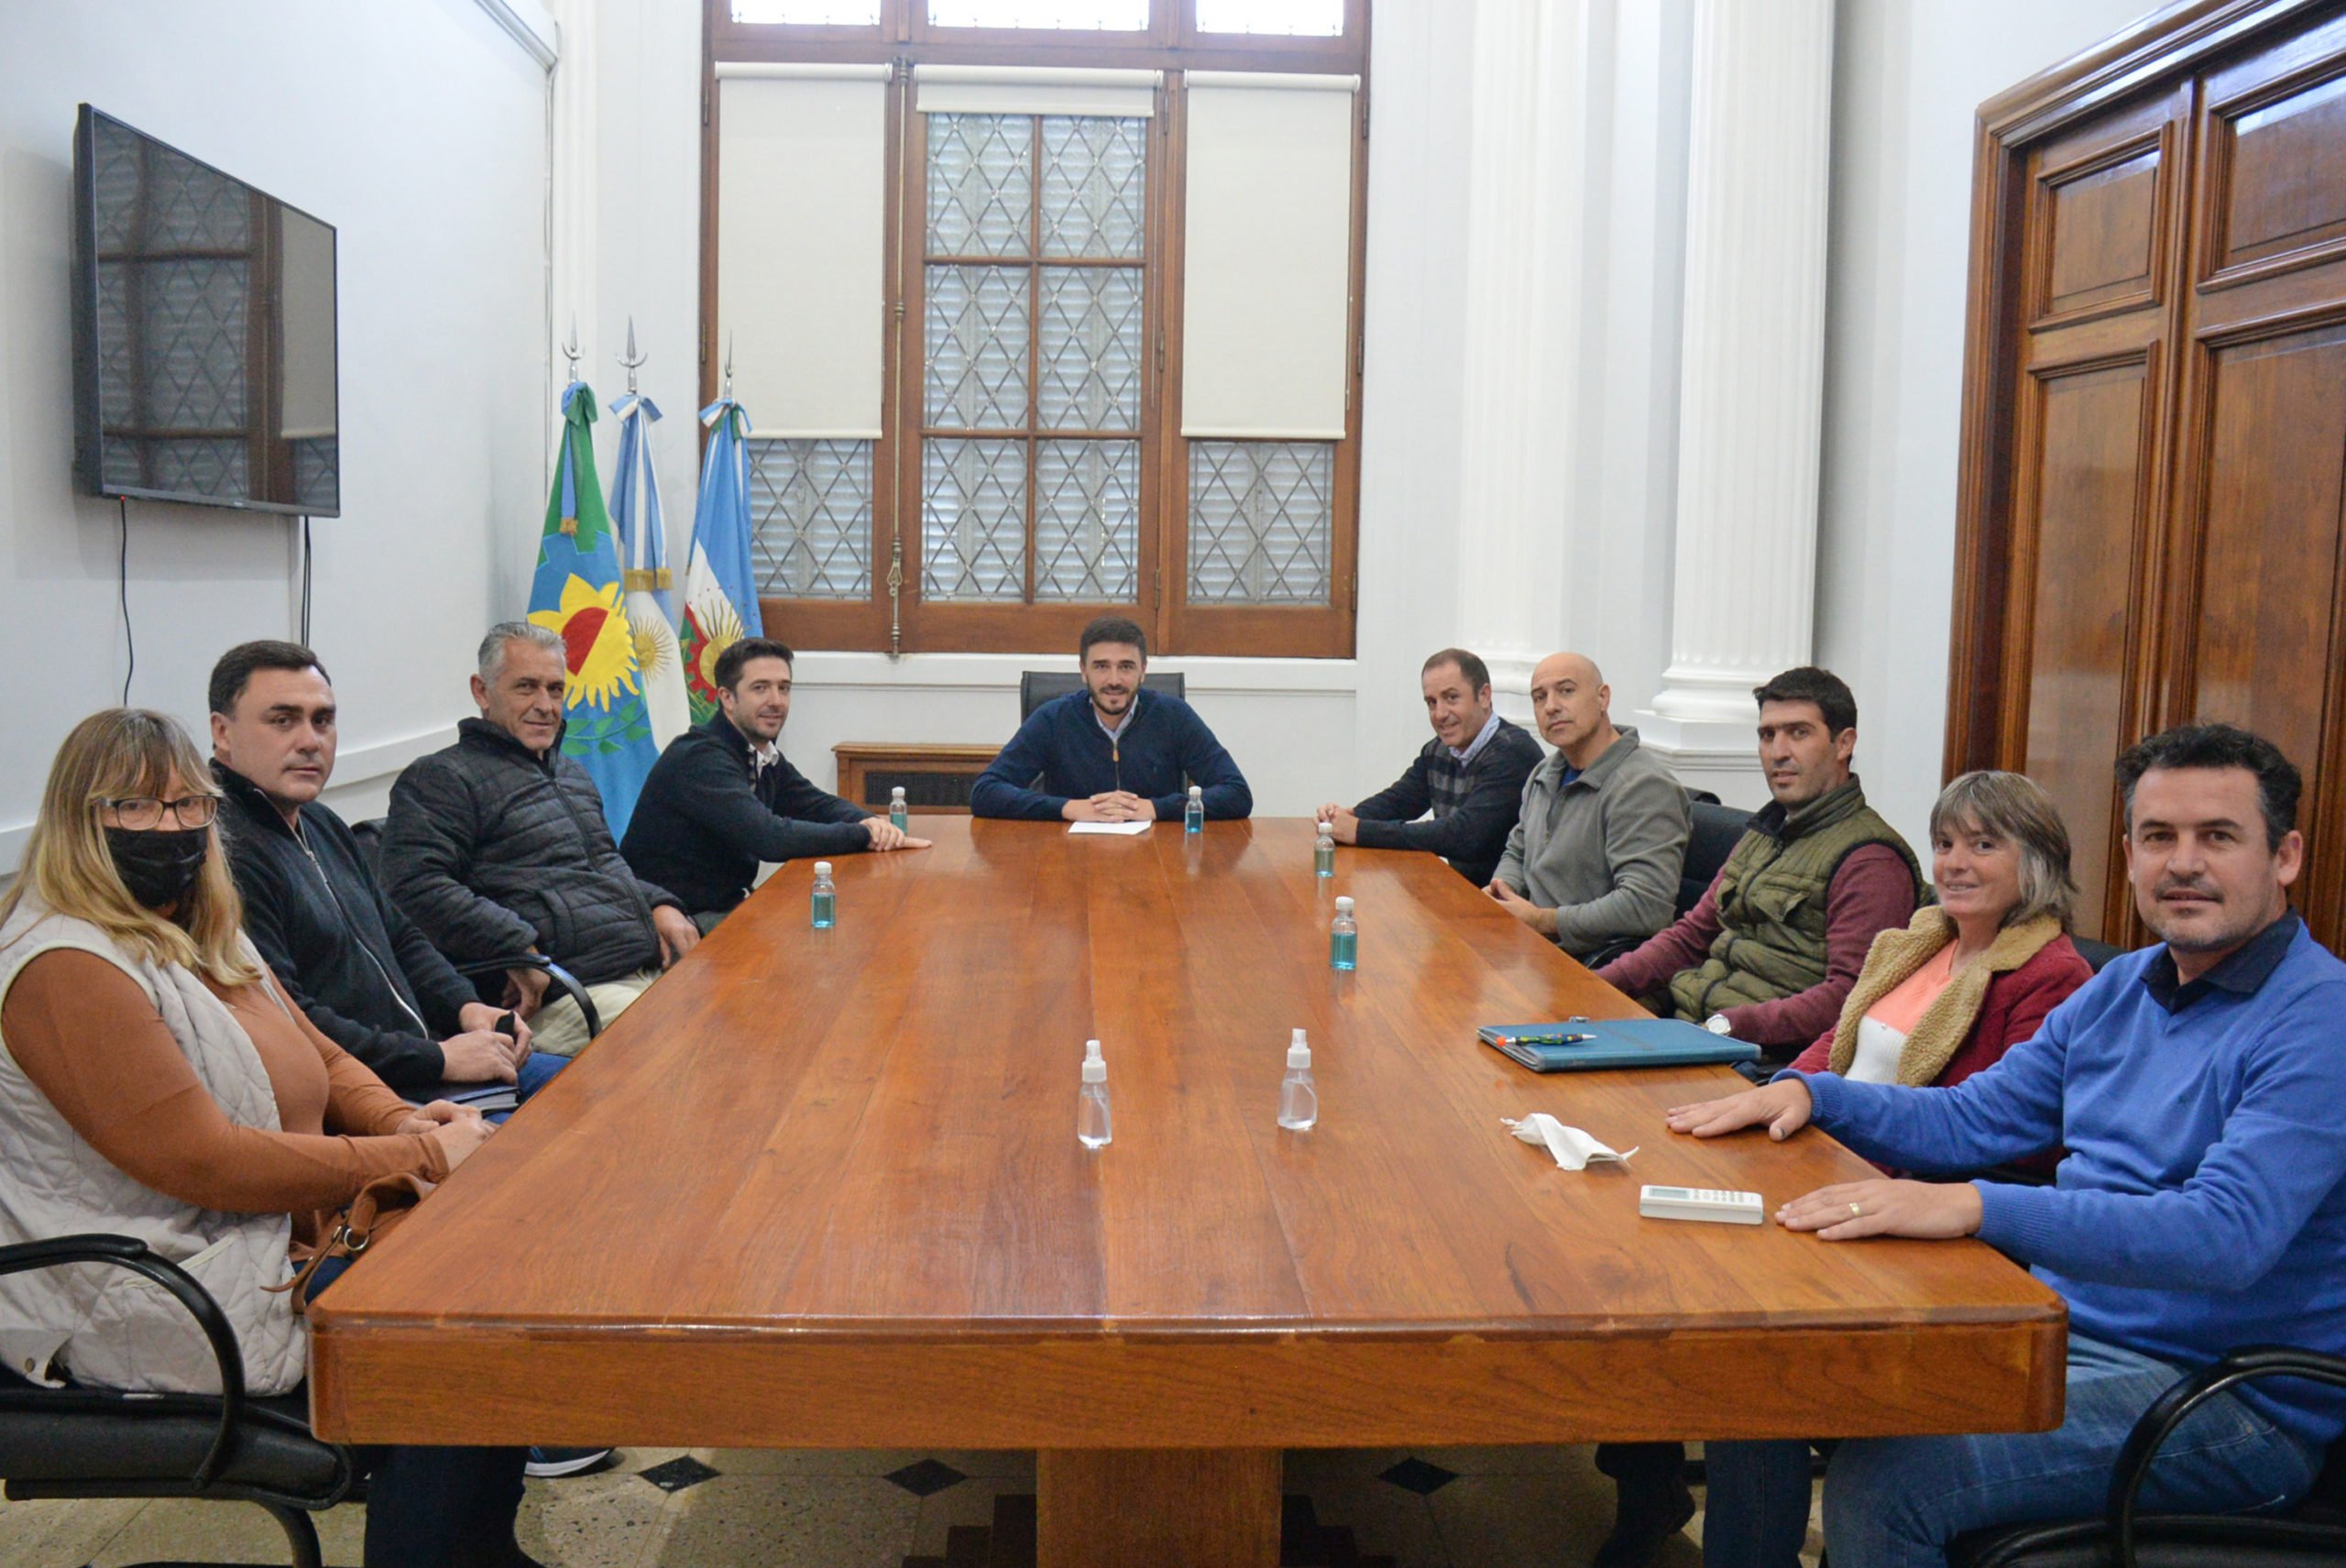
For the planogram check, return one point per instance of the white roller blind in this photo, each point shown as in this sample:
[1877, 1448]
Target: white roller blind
[1023, 89]
[801, 183]
[1267, 271]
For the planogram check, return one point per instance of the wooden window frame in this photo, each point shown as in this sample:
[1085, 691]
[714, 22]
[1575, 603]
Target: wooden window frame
[906, 622]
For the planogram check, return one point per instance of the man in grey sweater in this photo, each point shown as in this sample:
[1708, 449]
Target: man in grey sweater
[1594, 856]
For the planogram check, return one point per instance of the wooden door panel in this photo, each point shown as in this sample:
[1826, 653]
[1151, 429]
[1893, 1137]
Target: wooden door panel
[2091, 487]
[2102, 228]
[2276, 123]
[2265, 647]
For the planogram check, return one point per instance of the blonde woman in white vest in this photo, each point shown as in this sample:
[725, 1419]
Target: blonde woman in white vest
[154, 1083]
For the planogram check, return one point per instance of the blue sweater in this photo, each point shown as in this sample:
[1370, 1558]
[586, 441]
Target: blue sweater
[1162, 739]
[2201, 1206]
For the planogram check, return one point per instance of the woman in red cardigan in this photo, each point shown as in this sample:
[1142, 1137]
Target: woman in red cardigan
[1974, 974]
[1972, 977]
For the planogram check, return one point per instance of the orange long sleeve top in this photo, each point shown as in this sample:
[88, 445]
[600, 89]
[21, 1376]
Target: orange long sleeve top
[89, 1039]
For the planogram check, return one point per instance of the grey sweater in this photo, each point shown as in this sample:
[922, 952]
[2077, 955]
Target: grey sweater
[1603, 850]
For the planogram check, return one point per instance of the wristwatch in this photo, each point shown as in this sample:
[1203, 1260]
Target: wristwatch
[1717, 1024]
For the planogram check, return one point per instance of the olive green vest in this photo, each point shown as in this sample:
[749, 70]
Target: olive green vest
[1772, 903]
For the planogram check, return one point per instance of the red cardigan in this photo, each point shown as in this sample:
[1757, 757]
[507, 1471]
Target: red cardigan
[2015, 1004]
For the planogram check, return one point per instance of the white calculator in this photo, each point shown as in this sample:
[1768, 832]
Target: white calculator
[1700, 1203]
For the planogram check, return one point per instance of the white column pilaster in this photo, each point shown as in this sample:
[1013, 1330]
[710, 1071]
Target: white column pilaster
[1525, 195]
[574, 172]
[1751, 390]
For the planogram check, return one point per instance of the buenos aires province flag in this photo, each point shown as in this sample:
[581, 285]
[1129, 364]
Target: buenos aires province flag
[576, 595]
[720, 595]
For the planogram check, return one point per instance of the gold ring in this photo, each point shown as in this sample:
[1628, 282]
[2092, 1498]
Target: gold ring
[1855, 1212]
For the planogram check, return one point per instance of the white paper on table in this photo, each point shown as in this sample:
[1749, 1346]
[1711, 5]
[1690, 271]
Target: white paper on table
[1573, 1149]
[1122, 829]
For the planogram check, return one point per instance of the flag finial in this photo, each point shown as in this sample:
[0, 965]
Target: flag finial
[631, 360]
[570, 349]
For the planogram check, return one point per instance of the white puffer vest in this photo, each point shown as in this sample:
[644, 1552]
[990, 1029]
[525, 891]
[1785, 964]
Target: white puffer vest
[102, 1324]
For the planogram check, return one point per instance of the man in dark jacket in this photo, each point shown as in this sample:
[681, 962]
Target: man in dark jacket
[1469, 776]
[1110, 754]
[344, 954]
[498, 844]
[723, 797]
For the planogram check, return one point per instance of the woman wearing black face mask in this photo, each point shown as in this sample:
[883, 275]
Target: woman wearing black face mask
[139, 1022]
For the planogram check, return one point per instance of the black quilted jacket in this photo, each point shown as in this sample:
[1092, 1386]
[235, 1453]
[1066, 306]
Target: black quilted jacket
[490, 849]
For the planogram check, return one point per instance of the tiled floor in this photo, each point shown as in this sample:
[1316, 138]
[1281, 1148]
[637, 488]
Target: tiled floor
[1448, 1507]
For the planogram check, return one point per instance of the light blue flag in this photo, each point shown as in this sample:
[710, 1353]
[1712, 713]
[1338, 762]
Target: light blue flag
[578, 595]
[720, 593]
[643, 549]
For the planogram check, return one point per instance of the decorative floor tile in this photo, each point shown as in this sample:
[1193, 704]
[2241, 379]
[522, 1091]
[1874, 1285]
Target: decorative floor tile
[785, 1521]
[678, 1474]
[1414, 1474]
[926, 1476]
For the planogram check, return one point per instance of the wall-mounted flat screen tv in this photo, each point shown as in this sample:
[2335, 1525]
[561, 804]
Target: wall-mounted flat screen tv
[204, 332]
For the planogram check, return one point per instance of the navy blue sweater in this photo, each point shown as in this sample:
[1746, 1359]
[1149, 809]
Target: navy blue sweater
[1162, 741]
[2203, 1203]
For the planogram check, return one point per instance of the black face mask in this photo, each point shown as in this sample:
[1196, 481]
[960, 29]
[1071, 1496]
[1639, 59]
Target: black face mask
[158, 867]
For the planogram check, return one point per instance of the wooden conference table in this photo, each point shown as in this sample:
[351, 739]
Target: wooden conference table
[822, 1189]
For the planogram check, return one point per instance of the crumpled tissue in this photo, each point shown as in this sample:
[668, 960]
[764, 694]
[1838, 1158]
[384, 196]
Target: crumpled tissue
[1573, 1149]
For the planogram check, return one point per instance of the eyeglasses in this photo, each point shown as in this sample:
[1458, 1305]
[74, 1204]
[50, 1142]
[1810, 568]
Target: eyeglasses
[141, 813]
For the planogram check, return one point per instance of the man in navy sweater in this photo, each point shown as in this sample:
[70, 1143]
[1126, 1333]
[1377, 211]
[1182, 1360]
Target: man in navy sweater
[2202, 1207]
[1110, 752]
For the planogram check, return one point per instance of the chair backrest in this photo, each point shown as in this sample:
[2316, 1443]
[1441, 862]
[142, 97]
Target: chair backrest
[1037, 688]
[1717, 829]
[2097, 955]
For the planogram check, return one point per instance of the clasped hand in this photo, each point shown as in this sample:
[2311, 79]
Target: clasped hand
[1848, 1210]
[1112, 805]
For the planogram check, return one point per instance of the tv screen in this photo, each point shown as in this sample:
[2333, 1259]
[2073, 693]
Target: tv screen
[204, 332]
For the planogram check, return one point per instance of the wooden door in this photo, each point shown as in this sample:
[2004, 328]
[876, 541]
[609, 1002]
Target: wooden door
[2154, 421]
[2255, 600]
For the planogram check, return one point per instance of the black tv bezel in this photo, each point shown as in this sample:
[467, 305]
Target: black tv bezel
[89, 435]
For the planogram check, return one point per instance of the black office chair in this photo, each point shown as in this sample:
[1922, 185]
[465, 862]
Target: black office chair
[1037, 688]
[2097, 955]
[369, 835]
[1717, 829]
[100, 1442]
[2312, 1535]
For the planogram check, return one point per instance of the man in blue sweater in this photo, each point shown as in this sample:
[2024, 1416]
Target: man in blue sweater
[1110, 752]
[2197, 1085]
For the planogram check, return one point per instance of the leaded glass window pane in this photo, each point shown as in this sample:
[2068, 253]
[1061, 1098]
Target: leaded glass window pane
[1095, 185]
[1087, 519]
[1092, 349]
[1092, 16]
[977, 347]
[1294, 18]
[973, 520]
[1261, 517]
[810, 13]
[810, 518]
[981, 184]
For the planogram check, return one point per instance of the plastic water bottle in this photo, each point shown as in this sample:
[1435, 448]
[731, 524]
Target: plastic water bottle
[827, 901]
[899, 816]
[1092, 1128]
[1324, 851]
[1343, 938]
[1299, 1100]
[1194, 816]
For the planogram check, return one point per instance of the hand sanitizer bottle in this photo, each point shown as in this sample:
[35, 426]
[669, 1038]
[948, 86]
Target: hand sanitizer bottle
[1299, 1101]
[827, 902]
[1324, 851]
[1091, 1129]
[899, 816]
[1343, 938]
[1194, 816]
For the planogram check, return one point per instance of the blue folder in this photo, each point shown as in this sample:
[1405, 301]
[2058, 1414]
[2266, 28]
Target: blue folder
[1586, 1046]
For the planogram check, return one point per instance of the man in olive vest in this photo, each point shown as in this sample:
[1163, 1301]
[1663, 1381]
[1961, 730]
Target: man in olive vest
[1767, 956]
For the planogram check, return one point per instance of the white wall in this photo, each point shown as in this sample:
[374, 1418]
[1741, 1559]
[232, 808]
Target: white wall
[419, 130]
[1909, 79]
